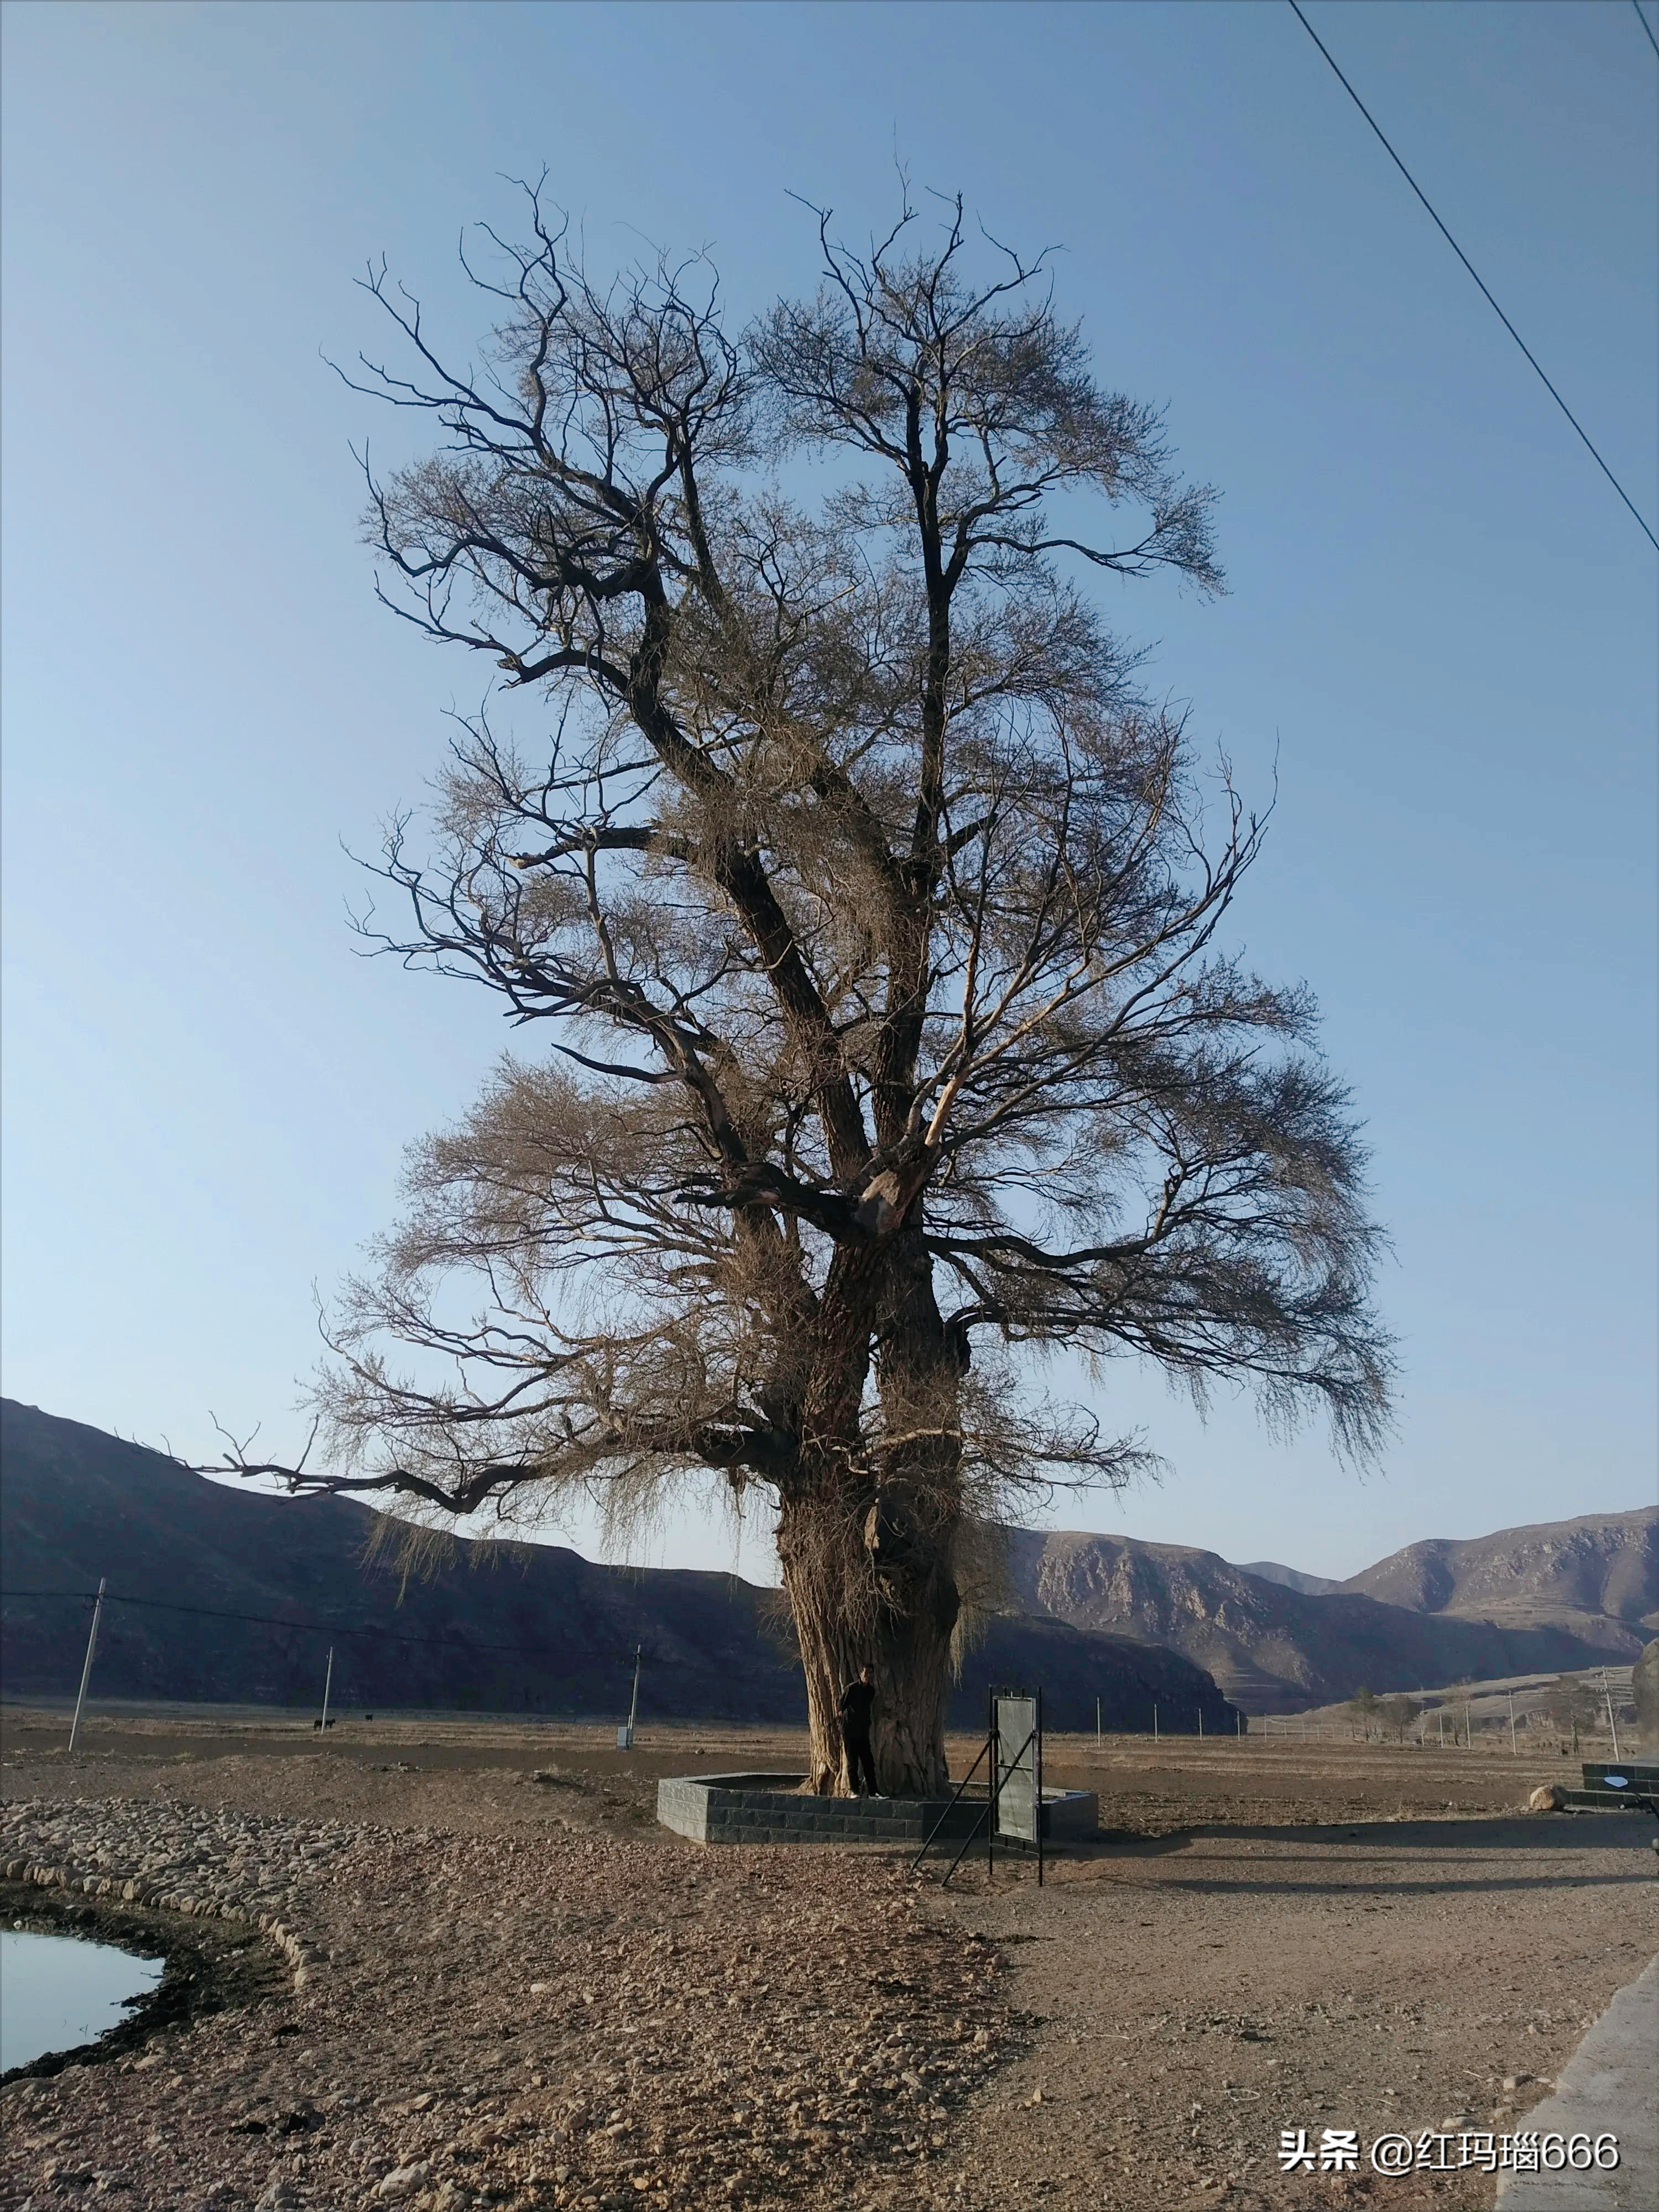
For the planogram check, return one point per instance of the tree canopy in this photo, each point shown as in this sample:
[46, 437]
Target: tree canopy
[861, 907]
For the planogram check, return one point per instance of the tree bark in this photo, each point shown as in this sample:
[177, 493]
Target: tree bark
[902, 1626]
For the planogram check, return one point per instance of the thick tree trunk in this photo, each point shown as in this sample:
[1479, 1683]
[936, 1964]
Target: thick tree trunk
[866, 1529]
[878, 1592]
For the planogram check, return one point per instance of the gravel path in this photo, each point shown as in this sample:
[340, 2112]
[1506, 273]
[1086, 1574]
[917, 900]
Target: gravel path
[1196, 1996]
[500, 1984]
[1608, 2087]
[523, 2022]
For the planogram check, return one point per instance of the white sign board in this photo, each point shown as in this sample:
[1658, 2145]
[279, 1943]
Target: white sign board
[1017, 1768]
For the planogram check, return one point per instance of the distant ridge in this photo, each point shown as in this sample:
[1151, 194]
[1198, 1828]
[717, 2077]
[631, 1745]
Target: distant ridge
[1275, 1648]
[1600, 1566]
[1269, 1571]
[539, 1630]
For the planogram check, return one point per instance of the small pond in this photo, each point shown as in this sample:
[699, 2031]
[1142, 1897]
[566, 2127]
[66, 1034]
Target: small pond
[57, 1991]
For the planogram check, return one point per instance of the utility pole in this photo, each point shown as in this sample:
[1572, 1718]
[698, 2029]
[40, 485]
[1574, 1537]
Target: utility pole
[1200, 1722]
[86, 1671]
[1154, 1723]
[328, 1684]
[1514, 1754]
[1096, 1724]
[625, 1735]
[1613, 1725]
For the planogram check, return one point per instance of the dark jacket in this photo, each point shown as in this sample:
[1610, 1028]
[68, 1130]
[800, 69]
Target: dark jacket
[857, 1702]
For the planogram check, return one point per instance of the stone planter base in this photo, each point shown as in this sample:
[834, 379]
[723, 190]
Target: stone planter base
[770, 1808]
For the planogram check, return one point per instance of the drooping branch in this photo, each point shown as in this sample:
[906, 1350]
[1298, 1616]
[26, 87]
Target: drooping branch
[868, 910]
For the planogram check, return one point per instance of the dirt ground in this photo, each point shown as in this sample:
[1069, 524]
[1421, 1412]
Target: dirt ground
[473, 1773]
[1269, 1935]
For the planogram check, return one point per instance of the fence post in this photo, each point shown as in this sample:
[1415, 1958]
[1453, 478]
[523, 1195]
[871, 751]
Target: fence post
[328, 1684]
[86, 1671]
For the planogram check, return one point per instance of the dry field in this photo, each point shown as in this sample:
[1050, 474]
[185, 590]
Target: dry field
[521, 1992]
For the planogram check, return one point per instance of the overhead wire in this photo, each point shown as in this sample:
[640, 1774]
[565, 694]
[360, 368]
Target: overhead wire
[1469, 265]
[1646, 26]
[460, 1645]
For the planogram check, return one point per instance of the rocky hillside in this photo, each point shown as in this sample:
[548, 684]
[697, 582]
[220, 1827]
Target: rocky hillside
[1276, 1649]
[1565, 1574]
[230, 1595]
[1644, 1696]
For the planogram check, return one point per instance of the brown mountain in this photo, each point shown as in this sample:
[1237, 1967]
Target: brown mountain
[224, 1595]
[1275, 1649]
[1565, 1574]
[1270, 1571]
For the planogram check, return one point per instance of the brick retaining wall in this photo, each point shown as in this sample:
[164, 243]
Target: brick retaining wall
[772, 1808]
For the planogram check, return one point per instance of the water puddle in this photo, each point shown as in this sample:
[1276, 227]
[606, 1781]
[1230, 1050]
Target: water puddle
[57, 1991]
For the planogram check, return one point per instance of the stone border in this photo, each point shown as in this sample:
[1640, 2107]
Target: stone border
[773, 1808]
[201, 1975]
[301, 1957]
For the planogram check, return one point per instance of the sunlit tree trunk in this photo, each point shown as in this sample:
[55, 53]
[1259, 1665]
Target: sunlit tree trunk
[866, 1539]
[900, 1620]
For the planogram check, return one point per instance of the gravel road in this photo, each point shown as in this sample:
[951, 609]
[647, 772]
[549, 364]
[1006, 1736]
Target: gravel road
[523, 2022]
[1192, 1997]
[502, 1984]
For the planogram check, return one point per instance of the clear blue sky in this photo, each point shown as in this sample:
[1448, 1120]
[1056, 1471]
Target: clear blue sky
[1442, 626]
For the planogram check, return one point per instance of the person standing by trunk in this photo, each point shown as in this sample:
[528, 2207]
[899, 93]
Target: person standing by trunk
[857, 1702]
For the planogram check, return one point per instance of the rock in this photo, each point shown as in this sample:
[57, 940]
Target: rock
[1548, 1797]
[404, 2180]
[278, 2192]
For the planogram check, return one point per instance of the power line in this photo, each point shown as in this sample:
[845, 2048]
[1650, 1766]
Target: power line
[1469, 265]
[310, 1627]
[1646, 26]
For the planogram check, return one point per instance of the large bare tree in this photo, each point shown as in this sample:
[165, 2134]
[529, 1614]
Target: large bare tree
[865, 910]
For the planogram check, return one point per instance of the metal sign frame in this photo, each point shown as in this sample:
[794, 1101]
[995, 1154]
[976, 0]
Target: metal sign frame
[1026, 1761]
[1017, 1730]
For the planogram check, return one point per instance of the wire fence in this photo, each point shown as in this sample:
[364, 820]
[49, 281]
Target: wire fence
[288, 1661]
[282, 1661]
